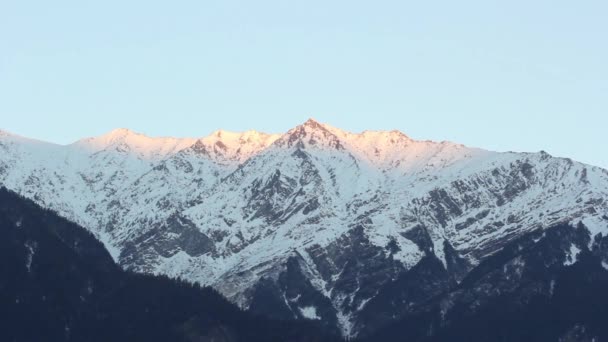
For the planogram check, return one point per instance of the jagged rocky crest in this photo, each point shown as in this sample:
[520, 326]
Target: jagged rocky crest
[316, 223]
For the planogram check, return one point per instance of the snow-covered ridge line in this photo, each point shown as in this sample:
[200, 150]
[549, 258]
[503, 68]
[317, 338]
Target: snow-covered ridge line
[374, 145]
[368, 142]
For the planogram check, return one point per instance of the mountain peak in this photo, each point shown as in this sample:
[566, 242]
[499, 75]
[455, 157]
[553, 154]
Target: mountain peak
[124, 140]
[121, 130]
[234, 146]
[218, 133]
[115, 136]
[121, 133]
[311, 132]
[311, 122]
[7, 134]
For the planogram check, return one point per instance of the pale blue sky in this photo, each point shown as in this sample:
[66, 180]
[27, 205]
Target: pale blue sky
[503, 75]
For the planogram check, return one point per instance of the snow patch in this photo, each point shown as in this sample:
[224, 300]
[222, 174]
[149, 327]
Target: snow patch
[595, 226]
[363, 303]
[309, 312]
[346, 325]
[31, 249]
[572, 254]
[552, 287]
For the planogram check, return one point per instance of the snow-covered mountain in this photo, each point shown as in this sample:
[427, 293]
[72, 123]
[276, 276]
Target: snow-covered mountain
[313, 223]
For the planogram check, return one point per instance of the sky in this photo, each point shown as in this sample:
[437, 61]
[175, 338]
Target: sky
[502, 75]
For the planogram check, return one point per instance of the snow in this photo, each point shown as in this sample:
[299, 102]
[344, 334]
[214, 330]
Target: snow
[346, 324]
[572, 255]
[31, 249]
[137, 144]
[309, 312]
[122, 184]
[595, 224]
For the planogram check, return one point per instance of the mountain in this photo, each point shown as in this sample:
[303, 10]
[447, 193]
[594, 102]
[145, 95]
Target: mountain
[314, 224]
[547, 285]
[60, 284]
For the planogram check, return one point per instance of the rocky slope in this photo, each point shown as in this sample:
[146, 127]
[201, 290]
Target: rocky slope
[546, 285]
[316, 223]
[58, 283]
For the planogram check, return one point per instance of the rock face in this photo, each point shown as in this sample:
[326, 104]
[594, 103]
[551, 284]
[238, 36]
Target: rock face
[356, 230]
[546, 285]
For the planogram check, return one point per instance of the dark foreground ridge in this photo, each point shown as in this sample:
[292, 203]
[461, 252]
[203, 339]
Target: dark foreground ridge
[58, 283]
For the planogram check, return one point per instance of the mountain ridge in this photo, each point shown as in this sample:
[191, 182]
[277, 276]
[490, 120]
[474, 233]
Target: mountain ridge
[124, 133]
[236, 210]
